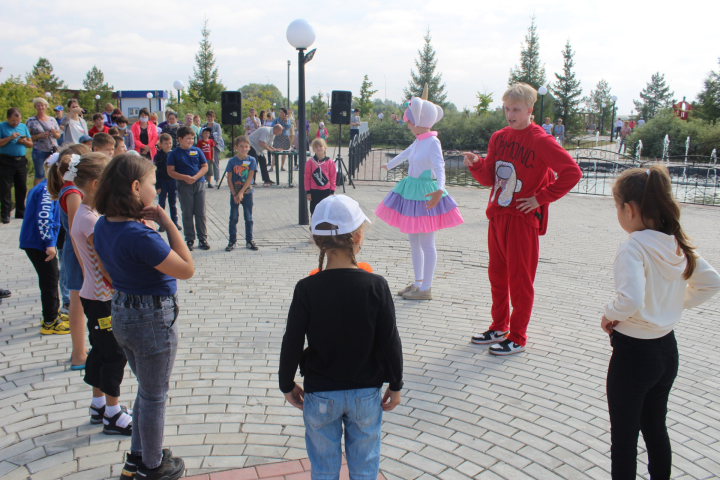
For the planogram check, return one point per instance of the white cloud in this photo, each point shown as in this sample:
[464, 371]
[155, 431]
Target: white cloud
[147, 45]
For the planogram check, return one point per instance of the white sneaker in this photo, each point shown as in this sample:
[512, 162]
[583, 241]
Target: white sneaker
[490, 336]
[506, 348]
[406, 289]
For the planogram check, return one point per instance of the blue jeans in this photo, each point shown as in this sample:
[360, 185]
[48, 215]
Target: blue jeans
[146, 329]
[38, 159]
[325, 413]
[247, 204]
[168, 189]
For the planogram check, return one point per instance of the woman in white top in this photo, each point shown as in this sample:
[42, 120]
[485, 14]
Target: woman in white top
[74, 126]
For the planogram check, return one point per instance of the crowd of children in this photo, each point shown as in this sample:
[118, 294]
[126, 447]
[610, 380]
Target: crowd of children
[121, 276]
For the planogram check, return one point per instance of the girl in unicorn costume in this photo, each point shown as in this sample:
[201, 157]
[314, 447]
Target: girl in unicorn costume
[419, 204]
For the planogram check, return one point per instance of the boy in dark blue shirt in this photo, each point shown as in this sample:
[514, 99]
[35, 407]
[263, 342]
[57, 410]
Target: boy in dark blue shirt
[241, 178]
[166, 187]
[187, 165]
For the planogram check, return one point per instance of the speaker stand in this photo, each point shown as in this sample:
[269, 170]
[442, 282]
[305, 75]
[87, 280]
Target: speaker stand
[341, 164]
[232, 149]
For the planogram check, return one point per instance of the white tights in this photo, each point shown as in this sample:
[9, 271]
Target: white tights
[424, 258]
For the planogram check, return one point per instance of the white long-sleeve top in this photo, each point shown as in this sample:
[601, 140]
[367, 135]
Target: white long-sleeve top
[425, 153]
[650, 288]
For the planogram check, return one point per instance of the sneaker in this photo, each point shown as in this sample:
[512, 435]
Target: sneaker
[230, 247]
[417, 294]
[178, 226]
[5, 221]
[506, 348]
[64, 310]
[64, 317]
[210, 185]
[190, 245]
[133, 461]
[406, 289]
[251, 245]
[171, 468]
[5, 293]
[491, 336]
[110, 426]
[204, 246]
[58, 327]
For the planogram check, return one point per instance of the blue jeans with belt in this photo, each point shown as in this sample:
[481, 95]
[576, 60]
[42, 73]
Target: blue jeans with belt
[247, 204]
[325, 413]
[145, 327]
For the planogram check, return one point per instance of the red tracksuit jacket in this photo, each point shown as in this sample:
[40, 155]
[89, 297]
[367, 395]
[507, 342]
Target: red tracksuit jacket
[520, 164]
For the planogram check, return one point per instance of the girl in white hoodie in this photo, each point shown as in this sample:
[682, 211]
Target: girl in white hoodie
[657, 275]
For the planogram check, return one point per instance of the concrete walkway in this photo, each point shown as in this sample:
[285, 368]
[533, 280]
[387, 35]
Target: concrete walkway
[465, 414]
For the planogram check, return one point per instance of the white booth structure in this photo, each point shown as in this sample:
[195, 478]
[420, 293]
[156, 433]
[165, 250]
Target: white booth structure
[131, 101]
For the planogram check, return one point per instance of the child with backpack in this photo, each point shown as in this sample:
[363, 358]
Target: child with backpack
[342, 378]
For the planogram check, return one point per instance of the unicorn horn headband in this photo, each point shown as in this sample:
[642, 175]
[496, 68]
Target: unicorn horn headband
[72, 168]
[422, 112]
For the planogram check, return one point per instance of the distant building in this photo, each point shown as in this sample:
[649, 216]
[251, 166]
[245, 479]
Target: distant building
[682, 109]
[131, 101]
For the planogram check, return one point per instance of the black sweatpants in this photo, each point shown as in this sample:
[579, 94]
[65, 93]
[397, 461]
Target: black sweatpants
[262, 162]
[639, 380]
[13, 172]
[48, 276]
[317, 196]
[105, 364]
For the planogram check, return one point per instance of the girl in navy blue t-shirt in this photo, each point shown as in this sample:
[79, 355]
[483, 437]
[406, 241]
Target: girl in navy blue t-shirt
[144, 270]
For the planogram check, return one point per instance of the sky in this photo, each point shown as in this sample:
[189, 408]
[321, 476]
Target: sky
[142, 45]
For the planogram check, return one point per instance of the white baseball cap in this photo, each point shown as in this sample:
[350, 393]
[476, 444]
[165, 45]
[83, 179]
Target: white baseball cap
[341, 211]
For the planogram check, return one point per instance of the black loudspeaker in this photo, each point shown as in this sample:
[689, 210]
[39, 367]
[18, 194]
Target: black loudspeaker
[231, 103]
[341, 107]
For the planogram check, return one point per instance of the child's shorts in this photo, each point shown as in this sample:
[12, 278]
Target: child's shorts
[71, 267]
[105, 364]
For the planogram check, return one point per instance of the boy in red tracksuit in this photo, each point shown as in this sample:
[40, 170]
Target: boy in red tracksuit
[521, 165]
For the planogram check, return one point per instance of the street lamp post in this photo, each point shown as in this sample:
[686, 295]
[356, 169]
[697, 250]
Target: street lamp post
[327, 94]
[542, 91]
[612, 122]
[288, 98]
[300, 34]
[602, 123]
[149, 97]
[97, 103]
[178, 85]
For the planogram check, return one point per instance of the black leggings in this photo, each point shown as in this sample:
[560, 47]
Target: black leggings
[317, 196]
[48, 276]
[639, 380]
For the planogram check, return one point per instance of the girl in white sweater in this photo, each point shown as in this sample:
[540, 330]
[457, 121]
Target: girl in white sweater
[657, 275]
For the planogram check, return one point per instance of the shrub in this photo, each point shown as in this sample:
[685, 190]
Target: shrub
[704, 136]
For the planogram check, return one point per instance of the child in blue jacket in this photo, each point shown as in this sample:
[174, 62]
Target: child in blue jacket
[38, 237]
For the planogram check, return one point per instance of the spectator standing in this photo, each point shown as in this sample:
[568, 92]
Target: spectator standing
[59, 114]
[322, 132]
[252, 123]
[381, 116]
[207, 145]
[107, 115]
[219, 143]
[355, 124]
[171, 128]
[547, 126]
[189, 123]
[261, 117]
[165, 185]
[74, 126]
[98, 125]
[560, 130]
[196, 122]
[14, 142]
[145, 135]
[241, 171]
[618, 126]
[624, 132]
[188, 165]
[320, 175]
[293, 126]
[44, 131]
[259, 144]
[641, 122]
[125, 133]
[282, 141]
[631, 124]
[269, 119]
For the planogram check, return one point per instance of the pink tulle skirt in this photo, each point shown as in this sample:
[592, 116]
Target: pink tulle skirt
[423, 224]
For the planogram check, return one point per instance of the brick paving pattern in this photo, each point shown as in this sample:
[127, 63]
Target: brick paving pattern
[465, 414]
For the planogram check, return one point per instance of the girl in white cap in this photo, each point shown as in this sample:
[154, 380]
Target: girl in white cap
[419, 205]
[348, 317]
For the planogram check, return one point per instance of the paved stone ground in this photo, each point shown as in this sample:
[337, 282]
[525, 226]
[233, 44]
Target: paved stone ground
[465, 414]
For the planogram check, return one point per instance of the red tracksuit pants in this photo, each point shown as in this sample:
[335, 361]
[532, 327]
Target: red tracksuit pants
[513, 246]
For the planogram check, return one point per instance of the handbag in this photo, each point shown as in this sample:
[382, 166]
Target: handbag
[318, 176]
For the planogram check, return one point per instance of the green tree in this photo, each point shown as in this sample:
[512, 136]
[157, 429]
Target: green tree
[42, 77]
[484, 101]
[530, 70]
[593, 103]
[16, 93]
[261, 97]
[707, 106]
[426, 65]
[205, 84]
[654, 97]
[317, 108]
[567, 90]
[95, 84]
[363, 102]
